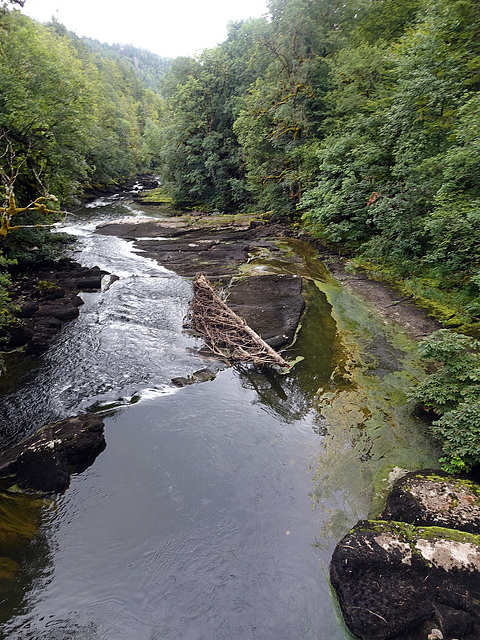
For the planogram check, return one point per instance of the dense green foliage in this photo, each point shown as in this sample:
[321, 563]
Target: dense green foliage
[358, 119]
[71, 117]
[453, 392]
[149, 67]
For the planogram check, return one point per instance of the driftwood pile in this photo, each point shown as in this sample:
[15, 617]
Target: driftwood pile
[225, 333]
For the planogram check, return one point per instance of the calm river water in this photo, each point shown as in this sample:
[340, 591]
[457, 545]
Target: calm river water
[203, 518]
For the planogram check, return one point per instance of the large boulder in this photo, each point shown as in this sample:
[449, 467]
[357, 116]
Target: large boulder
[271, 304]
[397, 581]
[44, 461]
[433, 498]
[416, 573]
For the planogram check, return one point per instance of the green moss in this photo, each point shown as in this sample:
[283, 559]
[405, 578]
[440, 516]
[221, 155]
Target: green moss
[410, 534]
[155, 196]
[45, 286]
[448, 306]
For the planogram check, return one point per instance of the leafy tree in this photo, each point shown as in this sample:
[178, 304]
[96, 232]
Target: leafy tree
[284, 108]
[453, 391]
[201, 165]
[44, 107]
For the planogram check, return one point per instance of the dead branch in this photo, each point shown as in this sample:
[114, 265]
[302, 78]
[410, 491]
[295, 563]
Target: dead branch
[224, 332]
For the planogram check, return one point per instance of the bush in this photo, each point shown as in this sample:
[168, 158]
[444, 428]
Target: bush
[453, 392]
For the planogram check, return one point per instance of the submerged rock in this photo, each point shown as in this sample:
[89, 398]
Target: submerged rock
[202, 375]
[44, 461]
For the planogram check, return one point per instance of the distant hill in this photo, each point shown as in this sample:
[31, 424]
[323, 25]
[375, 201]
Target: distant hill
[149, 67]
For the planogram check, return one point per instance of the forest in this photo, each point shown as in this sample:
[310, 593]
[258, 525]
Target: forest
[357, 123]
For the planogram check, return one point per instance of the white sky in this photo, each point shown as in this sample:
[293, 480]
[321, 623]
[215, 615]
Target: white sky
[170, 28]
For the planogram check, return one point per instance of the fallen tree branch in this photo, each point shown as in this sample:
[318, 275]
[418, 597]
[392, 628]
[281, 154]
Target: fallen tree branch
[225, 333]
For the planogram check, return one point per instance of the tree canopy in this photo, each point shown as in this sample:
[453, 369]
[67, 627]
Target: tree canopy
[356, 120]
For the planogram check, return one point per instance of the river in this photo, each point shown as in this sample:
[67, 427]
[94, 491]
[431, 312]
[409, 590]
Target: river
[214, 509]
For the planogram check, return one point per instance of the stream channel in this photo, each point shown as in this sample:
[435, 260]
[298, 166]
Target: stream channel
[213, 512]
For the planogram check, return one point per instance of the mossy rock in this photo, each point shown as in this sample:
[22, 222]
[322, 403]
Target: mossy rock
[395, 580]
[434, 498]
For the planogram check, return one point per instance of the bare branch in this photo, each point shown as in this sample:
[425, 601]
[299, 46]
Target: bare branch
[225, 333]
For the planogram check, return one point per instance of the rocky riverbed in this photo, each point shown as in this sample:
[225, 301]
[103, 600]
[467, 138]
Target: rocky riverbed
[272, 304]
[368, 568]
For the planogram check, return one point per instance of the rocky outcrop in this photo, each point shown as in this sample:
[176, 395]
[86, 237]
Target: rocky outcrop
[271, 304]
[45, 298]
[417, 575]
[44, 461]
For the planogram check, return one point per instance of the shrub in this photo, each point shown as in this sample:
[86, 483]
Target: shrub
[453, 392]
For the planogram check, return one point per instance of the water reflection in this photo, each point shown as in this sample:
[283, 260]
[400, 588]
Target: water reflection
[290, 397]
[25, 556]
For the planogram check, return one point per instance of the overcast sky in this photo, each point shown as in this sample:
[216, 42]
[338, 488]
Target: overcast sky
[170, 28]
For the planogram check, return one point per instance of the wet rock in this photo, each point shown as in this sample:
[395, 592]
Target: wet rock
[92, 283]
[433, 498]
[44, 461]
[47, 296]
[271, 304]
[18, 335]
[202, 375]
[62, 312]
[27, 310]
[392, 578]
[418, 570]
[43, 467]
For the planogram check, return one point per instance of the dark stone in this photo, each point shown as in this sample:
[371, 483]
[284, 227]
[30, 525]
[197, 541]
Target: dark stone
[43, 468]
[391, 579]
[62, 312]
[47, 324]
[434, 498]
[91, 283]
[417, 569]
[55, 293]
[182, 381]
[17, 336]
[272, 305]
[39, 344]
[202, 375]
[43, 462]
[454, 623]
[43, 308]
[27, 310]
[82, 437]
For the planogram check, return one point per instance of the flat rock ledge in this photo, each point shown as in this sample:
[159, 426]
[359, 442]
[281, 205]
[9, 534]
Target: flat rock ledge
[415, 576]
[44, 462]
[272, 304]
